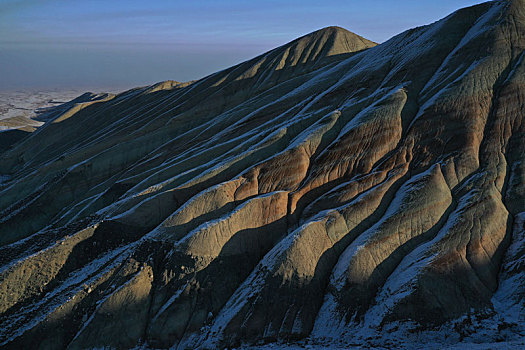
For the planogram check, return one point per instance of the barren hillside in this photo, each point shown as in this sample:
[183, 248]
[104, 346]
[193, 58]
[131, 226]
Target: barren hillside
[331, 189]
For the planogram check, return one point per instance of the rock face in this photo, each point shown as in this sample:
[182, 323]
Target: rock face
[330, 189]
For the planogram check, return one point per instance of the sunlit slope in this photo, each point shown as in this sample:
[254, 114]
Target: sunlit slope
[329, 188]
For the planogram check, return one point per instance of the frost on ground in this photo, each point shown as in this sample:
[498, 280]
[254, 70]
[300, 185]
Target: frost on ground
[23, 105]
[21, 108]
[331, 193]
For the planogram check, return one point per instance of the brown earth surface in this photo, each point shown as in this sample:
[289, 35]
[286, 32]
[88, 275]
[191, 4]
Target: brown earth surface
[331, 189]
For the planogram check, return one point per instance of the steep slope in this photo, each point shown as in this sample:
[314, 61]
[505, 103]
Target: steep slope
[329, 189]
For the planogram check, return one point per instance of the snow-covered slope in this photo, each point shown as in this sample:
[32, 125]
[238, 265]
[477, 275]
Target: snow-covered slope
[331, 191]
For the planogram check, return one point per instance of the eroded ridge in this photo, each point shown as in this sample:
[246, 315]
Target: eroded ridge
[331, 189]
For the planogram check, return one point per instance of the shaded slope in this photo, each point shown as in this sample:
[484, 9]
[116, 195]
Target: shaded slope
[313, 191]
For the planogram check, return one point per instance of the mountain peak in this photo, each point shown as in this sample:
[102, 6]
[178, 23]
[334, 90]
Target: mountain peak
[334, 40]
[300, 56]
[332, 30]
[373, 198]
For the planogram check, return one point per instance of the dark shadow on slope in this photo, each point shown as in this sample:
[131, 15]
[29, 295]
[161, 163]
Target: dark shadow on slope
[207, 291]
[112, 172]
[357, 298]
[106, 237]
[9, 138]
[41, 240]
[48, 114]
[66, 322]
[279, 305]
[137, 116]
[441, 297]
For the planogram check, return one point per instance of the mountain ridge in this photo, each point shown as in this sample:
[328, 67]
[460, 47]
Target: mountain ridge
[368, 197]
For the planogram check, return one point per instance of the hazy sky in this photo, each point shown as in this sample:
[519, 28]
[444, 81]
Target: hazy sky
[125, 43]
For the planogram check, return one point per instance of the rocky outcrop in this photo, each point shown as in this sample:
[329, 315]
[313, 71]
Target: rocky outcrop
[331, 189]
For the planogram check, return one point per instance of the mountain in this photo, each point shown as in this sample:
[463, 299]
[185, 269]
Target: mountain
[331, 191]
[22, 112]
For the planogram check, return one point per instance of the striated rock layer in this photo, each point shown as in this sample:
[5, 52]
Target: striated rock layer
[331, 189]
